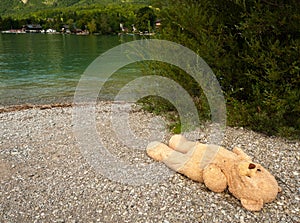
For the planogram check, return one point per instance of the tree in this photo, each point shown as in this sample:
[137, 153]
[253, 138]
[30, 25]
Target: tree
[1, 23]
[92, 27]
[145, 19]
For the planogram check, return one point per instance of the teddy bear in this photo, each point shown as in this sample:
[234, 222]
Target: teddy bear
[250, 182]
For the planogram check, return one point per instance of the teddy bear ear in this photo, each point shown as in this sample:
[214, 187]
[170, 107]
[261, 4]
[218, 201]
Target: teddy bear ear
[252, 205]
[241, 154]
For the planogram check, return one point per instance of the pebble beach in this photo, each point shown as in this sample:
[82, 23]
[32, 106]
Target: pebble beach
[44, 176]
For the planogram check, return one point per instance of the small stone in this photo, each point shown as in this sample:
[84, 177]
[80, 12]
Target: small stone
[242, 219]
[163, 208]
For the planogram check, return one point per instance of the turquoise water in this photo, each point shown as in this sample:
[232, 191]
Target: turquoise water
[41, 68]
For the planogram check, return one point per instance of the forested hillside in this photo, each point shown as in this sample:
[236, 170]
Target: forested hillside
[17, 8]
[90, 16]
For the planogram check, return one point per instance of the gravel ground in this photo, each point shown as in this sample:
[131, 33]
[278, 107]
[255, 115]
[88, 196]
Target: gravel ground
[45, 178]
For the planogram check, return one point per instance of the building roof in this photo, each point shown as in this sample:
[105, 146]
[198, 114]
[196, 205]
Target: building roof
[34, 26]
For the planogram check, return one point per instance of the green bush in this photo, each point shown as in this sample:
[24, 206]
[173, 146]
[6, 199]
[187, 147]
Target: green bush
[253, 47]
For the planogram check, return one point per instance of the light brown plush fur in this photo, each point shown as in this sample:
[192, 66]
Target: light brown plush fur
[246, 180]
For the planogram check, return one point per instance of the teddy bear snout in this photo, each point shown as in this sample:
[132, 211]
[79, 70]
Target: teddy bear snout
[253, 167]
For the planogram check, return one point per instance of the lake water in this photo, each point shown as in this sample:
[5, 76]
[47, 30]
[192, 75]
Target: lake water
[41, 68]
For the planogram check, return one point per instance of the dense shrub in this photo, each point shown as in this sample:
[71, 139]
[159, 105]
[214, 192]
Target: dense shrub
[253, 48]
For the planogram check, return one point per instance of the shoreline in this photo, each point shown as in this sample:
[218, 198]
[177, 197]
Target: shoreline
[44, 106]
[20, 107]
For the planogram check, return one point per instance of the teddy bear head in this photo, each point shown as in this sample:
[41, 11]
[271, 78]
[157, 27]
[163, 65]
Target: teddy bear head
[252, 184]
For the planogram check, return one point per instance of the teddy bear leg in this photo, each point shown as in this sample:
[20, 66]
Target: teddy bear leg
[161, 152]
[181, 144]
[214, 178]
[158, 151]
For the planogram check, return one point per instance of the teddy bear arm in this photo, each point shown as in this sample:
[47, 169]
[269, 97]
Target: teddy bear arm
[252, 205]
[214, 178]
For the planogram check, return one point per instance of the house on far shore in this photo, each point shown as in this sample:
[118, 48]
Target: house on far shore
[66, 29]
[157, 23]
[33, 28]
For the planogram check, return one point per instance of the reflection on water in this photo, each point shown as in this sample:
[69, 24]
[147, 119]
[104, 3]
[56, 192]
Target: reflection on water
[39, 68]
